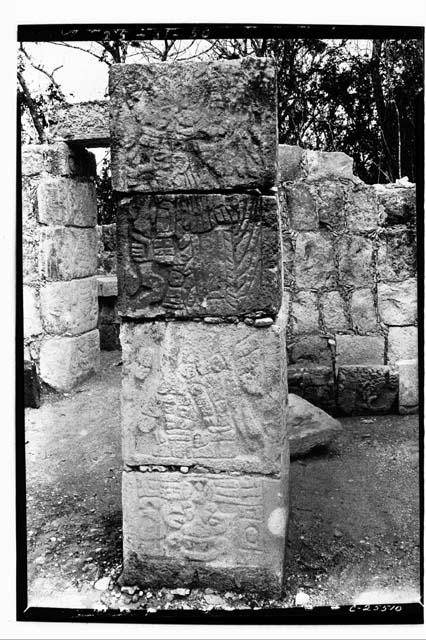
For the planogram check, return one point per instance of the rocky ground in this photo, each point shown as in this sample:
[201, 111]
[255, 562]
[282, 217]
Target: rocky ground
[354, 534]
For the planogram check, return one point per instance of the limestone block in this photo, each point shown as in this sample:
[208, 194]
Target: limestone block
[408, 386]
[314, 383]
[65, 362]
[204, 530]
[333, 312]
[363, 311]
[197, 393]
[314, 260]
[32, 323]
[355, 260]
[366, 389]
[30, 231]
[290, 163]
[301, 205]
[67, 253]
[362, 211]
[399, 203]
[64, 201]
[396, 259]
[402, 344]
[107, 286]
[86, 123]
[308, 350]
[57, 159]
[326, 164]
[304, 312]
[195, 125]
[71, 307]
[397, 302]
[198, 255]
[308, 426]
[330, 200]
[359, 350]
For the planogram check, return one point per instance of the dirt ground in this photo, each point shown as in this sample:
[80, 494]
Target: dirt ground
[354, 534]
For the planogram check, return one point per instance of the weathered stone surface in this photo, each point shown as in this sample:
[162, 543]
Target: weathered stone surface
[408, 386]
[69, 308]
[366, 389]
[315, 384]
[290, 162]
[308, 426]
[288, 257]
[196, 393]
[224, 532]
[31, 386]
[304, 313]
[331, 201]
[67, 253]
[326, 164]
[57, 159]
[362, 211]
[197, 125]
[30, 232]
[202, 255]
[333, 312]
[82, 122]
[355, 260]
[397, 302]
[107, 286]
[301, 204]
[399, 203]
[402, 344]
[64, 362]
[363, 311]
[359, 350]
[314, 261]
[32, 323]
[64, 201]
[397, 255]
[310, 350]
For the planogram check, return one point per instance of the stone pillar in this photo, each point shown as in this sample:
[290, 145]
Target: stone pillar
[205, 481]
[59, 264]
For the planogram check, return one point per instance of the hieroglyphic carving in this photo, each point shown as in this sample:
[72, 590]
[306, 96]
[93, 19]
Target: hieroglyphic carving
[193, 126]
[203, 394]
[218, 520]
[186, 255]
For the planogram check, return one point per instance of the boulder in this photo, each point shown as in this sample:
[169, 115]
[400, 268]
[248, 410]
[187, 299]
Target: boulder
[308, 426]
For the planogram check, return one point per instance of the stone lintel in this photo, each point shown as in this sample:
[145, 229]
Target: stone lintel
[85, 123]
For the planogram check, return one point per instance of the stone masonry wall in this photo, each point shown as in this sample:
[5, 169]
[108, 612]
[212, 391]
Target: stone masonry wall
[205, 485]
[59, 263]
[350, 285]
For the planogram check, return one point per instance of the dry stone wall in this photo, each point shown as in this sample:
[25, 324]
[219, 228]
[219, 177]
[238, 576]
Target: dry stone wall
[59, 263]
[349, 264]
[205, 486]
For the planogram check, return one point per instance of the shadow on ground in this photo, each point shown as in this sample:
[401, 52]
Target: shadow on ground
[354, 534]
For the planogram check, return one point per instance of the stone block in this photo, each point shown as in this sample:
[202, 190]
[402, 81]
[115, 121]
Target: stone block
[367, 389]
[290, 163]
[398, 203]
[304, 313]
[64, 201]
[308, 350]
[31, 386]
[57, 159]
[315, 384]
[288, 246]
[301, 205]
[204, 530]
[308, 426]
[397, 302]
[198, 255]
[32, 322]
[70, 307]
[352, 350]
[402, 344]
[109, 335]
[194, 125]
[67, 253]
[363, 311]
[30, 231]
[65, 362]
[355, 255]
[314, 261]
[197, 393]
[107, 286]
[408, 386]
[333, 312]
[85, 123]
[326, 164]
[397, 255]
[362, 210]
